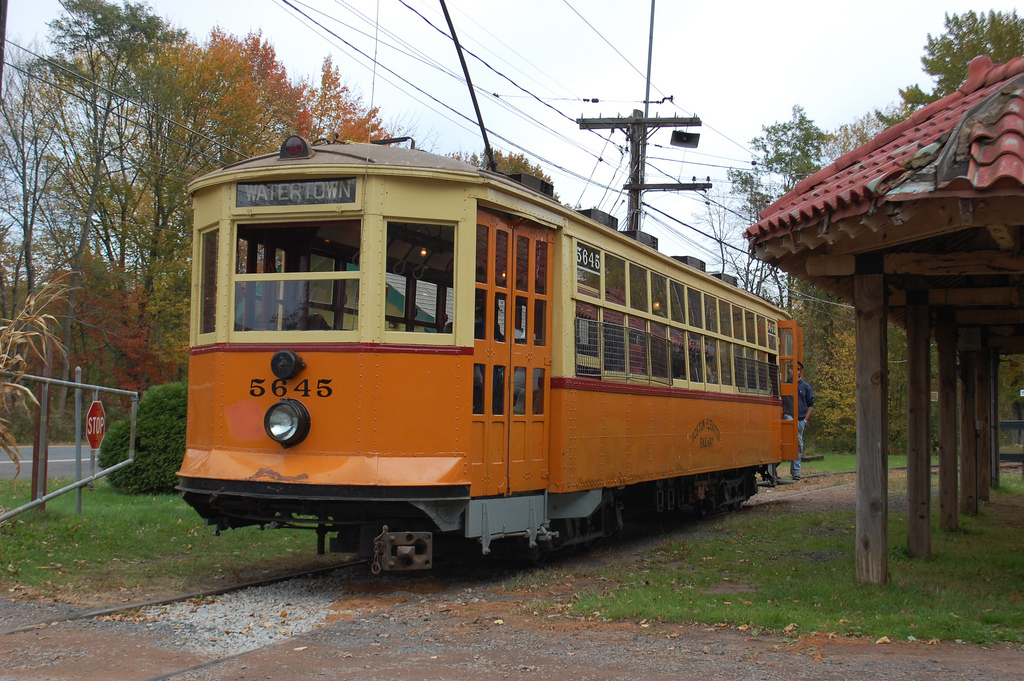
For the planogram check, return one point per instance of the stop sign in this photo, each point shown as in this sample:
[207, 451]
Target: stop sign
[95, 424]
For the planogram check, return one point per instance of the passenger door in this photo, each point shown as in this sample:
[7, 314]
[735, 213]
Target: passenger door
[512, 355]
[790, 353]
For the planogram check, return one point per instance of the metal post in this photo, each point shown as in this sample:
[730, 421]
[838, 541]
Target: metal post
[92, 452]
[78, 440]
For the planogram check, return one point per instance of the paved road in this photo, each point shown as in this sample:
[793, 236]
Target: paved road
[61, 463]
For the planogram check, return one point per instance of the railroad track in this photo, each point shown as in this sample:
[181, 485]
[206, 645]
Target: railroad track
[125, 607]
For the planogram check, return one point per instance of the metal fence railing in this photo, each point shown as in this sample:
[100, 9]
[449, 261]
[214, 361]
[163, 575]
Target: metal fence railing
[40, 496]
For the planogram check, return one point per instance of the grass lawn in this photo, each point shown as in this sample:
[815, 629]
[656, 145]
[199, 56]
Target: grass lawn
[130, 547]
[768, 569]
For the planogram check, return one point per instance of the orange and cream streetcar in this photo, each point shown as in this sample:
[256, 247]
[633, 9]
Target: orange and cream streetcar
[394, 348]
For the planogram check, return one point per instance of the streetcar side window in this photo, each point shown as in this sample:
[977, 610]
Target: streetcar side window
[678, 302]
[208, 281]
[693, 300]
[420, 278]
[659, 295]
[637, 288]
[614, 279]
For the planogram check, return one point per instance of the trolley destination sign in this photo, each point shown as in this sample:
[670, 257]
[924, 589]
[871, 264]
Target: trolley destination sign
[296, 193]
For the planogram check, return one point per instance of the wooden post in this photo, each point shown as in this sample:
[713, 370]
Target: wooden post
[993, 414]
[949, 514]
[919, 469]
[968, 436]
[983, 408]
[872, 429]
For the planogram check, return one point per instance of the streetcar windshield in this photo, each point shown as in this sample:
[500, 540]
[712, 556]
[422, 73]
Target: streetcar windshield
[299, 277]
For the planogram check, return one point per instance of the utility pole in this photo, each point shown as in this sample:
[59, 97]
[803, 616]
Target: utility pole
[636, 127]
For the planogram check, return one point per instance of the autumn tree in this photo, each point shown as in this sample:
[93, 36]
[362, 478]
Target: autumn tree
[334, 112]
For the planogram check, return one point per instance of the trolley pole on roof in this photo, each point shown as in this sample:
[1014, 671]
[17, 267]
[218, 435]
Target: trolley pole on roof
[636, 127]
[491, 165]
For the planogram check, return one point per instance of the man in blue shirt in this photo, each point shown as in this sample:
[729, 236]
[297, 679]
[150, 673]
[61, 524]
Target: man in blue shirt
[805, 405]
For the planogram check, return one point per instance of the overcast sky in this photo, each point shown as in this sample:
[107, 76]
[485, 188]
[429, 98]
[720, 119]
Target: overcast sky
[736, 65]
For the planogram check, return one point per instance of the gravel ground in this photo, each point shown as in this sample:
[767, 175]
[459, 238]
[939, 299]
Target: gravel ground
[453, 624]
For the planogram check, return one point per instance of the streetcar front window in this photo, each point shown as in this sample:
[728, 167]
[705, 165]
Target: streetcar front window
[419, 283]
[297, 277]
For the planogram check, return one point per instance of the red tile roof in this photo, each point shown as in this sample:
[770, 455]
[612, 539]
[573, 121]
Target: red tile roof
[990, 141]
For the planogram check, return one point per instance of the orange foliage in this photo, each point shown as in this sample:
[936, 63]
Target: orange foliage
[332, 112]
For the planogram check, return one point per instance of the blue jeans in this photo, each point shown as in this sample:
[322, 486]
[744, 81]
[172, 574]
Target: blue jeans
[794, 466]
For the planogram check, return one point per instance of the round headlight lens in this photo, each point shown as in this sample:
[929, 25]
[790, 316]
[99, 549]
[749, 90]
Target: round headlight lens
[287, 422]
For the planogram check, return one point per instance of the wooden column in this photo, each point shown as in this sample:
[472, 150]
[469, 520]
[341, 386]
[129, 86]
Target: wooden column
[949, 514]
[968, 436]
[919, 469]
[872, 429]
[993, 412]
[983, 410]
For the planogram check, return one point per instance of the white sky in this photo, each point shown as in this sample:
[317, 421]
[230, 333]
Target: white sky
[738, 65]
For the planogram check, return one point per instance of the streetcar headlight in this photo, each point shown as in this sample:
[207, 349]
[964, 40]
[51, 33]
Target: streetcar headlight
[287, 422]
[286, 363]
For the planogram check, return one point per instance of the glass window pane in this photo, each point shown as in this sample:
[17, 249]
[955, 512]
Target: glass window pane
[519, 390]
[614, 279]
[638, 288]
[725, 361]
[771, 335]
[499, 317]
[478, 388]
[678, 304]
[659, 351]
[725, 318]
[659, 295]
[498, 391]
[762, 331]
[522, 263]
[637, 346]
[696, 309]
[520, 318]
[540, 283]
[588, 270]
[420, 277]
[737, 322]
[540, 322]
[751, 333]
[480, 315]
[678, 337]
[696, 358]
[538, 391]
[208, 284]
[614, 339]
[482, 236]
[501, 258]
[587, 344]
[711, 314]
[711, 359]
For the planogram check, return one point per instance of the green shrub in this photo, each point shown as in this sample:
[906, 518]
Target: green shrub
[159, 442]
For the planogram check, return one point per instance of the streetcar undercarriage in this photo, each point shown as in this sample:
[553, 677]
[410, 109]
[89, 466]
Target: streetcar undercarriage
[396, 529]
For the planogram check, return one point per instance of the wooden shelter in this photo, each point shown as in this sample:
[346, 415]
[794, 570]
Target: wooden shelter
[922, 226]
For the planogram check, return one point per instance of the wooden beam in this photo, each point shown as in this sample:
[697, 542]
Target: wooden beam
[1005, 236]
[999, 296]
[1007, 346]
[919, 470]
[831, 266]
[945, 340]
[872, 533]
[968, 434]
[954, 264]
[989, 317]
